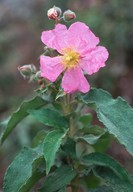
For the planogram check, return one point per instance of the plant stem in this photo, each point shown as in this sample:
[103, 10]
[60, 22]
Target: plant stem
[66, 105]
[67, 109]
[74, 184]
[71, 128]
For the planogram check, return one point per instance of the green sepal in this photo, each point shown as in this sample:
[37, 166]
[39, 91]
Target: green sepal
[61, 93]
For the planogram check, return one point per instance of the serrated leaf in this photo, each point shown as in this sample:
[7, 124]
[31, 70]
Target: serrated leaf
[59, 179]
[22, 174]
[20, 114]
[50, 117]
[51, 145]
[100, 159]
[115, 114]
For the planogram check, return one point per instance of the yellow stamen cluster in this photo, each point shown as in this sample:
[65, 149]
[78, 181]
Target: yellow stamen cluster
[70, 58]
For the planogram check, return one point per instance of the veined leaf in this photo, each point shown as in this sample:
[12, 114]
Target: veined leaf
[59, 179]
[51, 145]
[115, 114]
[50, 117]
[99, 159]
[20, 114]
[22, 174]
[114, 183]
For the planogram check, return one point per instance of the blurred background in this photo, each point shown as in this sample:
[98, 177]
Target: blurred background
[21, 24]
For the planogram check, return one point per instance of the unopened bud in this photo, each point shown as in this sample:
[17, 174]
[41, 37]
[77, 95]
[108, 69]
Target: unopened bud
[69, 15]
[54, 13]
[27, 70]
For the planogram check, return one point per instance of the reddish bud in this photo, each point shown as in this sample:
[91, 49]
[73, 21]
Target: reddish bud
[27, 70]
[69, 15]
[54, 13]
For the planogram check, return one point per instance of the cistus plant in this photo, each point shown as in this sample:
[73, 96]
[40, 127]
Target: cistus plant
[69, 155]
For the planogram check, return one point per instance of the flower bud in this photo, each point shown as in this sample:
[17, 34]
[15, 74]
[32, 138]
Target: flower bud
[54, 13]
[27, 70]
[69, 15]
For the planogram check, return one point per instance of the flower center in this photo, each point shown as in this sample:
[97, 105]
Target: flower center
[70, 58]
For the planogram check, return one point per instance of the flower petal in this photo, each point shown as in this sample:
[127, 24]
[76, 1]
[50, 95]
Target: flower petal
[74, 80]
[94, 60]
[50, 67]
[56, 38]
[81, 37]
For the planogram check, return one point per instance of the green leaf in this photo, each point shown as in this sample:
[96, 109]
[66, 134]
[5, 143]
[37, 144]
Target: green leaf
[90, 138]
[115, 183]
[51, 145]
[83, 149]
[106, 161]
[39, 138]
[69, 148]
[50, 117]
[86, 119]
[93, 129]
[20, 114]
[62, 190]
[22, 174]
[59, 179]
[103, 143]
[103, 189]
[115, 114]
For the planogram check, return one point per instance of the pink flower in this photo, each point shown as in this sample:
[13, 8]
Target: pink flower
[77, 53]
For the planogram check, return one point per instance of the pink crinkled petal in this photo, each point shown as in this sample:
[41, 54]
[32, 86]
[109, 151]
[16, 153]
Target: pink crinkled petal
[81, 37]
[74, 80]
[56, 38]
[50, 67]
[94, 60]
